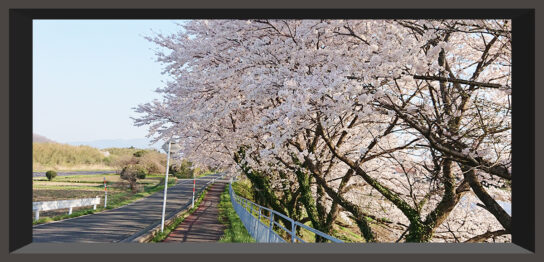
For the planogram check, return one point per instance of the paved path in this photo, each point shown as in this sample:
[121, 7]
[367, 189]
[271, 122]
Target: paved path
[203, 225]
[117, 224]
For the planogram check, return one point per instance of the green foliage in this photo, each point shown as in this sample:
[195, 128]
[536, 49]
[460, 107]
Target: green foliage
[50, 174]
[132, 173]
[139, 153]
[141, 174]
[152, 161]
[243, 188]
[213, 169]
[235, 231]
[347, 234]
[182, 170]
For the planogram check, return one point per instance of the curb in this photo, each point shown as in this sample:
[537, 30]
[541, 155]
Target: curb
[147, 237]
[148, 233]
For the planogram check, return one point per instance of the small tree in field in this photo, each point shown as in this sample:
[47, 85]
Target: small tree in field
[50, 174]
[182, 170]
[131, 174]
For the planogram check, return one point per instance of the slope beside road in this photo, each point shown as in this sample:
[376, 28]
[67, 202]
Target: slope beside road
[117, 224]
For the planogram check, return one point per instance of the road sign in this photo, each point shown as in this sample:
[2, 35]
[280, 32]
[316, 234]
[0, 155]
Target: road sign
[174, 147]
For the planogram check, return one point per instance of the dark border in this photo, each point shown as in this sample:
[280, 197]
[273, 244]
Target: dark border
[20, 62]
[523, 130]
[20, 129]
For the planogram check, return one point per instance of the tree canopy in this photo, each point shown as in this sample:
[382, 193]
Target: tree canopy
[401, 124]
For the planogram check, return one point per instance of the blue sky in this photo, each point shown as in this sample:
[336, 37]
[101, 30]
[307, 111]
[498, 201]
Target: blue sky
[89, 74]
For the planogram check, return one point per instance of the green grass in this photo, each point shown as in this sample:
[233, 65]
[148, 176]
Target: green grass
[114, 201]
[95, 179]
[61, 217]
[161, 236]
[79, 178]
[84, 168]
[205, 173]
[244, 188]
[347, 235]
[235, 231]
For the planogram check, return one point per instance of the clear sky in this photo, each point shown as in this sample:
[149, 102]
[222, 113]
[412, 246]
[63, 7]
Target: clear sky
[89, 74]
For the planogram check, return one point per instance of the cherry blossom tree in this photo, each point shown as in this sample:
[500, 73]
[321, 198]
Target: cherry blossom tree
[403, 124]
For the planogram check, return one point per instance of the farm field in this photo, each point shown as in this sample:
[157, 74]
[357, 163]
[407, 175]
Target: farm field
[89, 186]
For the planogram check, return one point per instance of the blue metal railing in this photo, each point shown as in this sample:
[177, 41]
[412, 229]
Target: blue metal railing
[261, 227]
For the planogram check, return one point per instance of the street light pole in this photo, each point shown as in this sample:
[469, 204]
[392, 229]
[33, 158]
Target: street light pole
[165, 185]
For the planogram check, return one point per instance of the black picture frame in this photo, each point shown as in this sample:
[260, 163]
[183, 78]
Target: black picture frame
[20, 129]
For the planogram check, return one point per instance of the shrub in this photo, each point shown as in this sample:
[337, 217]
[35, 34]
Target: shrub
[174, 169]
[141, 173]
[131, 174]
[153, 161]
[182, 170]
[50, 174]
[139, 153]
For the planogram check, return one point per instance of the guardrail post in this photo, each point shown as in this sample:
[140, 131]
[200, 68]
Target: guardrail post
[293, 231]
[37, 215]
[256, 228]
[70, 211]
[271, 226]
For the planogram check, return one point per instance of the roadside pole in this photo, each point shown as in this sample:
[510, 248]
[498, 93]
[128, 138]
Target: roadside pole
[105, 193]
[194, 185]
[165, 185]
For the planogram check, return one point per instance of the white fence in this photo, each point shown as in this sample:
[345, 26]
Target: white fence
[59, 204]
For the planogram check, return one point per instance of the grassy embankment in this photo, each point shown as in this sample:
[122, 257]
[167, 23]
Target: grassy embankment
[88, 186]
[341, 229]
[63, 157]
[235, 231]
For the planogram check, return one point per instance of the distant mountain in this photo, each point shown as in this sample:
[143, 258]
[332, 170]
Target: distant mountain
[41, 139]
[142, 143]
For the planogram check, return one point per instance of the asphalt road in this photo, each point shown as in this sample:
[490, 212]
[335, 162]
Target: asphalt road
[117, 224]
[73, 173]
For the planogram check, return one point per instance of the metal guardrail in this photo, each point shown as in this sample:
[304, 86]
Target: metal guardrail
[261, 227]
[61, 204]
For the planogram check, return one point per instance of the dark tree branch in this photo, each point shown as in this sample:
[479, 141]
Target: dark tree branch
[460, 81]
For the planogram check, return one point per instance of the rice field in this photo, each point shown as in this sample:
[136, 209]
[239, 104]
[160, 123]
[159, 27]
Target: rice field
[89, 186]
